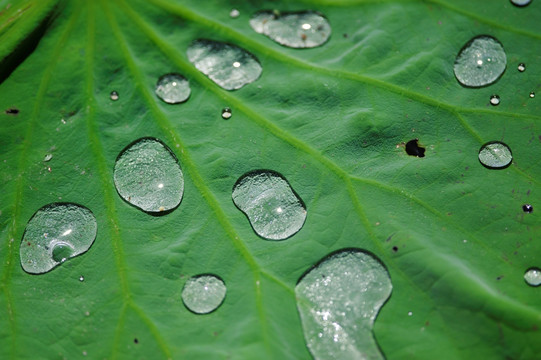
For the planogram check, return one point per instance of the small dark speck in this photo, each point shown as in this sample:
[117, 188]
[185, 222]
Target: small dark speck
[346, 35]
[499, 277]
[527, 208]
[395, 248]
[12, 111]
[135, 341]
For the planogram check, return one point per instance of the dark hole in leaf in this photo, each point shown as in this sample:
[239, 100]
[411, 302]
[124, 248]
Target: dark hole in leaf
[413, 148]
[527, 208]
[136, 341]
[395, 248]
[12, 111]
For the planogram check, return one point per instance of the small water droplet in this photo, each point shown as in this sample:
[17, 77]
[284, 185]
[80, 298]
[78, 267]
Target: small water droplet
[480, 62]
[173, 88]
[521, 67]
[81, 278]
[494, 100]
[413, 148]
[533, 276]
[114, 96]
[532, 94]
[274, 210]
[527, 208]
[229, 66]
[48, 157]
[521, 3]
[226, 113]
[234, 13]
[148, 176]
[410, 313]
[203, 294]
[338, 301]
[55, 233]
[305, 29]
[495, 155]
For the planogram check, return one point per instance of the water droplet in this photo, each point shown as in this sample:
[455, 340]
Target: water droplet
[274, 210]
[305, 29]
[495, 155]
[203, 294]
[480, 62]
[532, 94]
[173, 88]
[226, 113]
[234, 13]
[494, 100]
[338, 301]
[48, 157]
[527, 208]
[521, 67]
[533, 276]
[521, 3]
[229, 66]
[413, 148]
[81, 278]
[55, 233]
[410, 313]
[148, 176]
[114, 96]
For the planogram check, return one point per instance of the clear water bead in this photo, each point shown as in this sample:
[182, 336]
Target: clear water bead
[114, 95]
[533, 276]
[226, 113]
[274, 210]
[521, 3]
[234, 13]
[148, 176]
[495, 155]
[480, 62]
[229, 66]
[305, 29]
[54, 234]
[532, 94]
[203, 294]
[494, 100]
[173, 88]
[338, 301]
[521, 67]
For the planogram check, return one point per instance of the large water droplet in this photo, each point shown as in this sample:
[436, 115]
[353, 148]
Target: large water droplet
[338, 301]
[533, 276]
[275, 211]
[495, 155]
[227, 65]
[55, 233]
[305, 29]
[480, 62]
[521, 3]
[203, 294]
[494, 100]
[147, 175]
[173, 88]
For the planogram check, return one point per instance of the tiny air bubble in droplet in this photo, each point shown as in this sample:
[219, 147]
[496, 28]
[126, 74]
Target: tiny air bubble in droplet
[494, 100]
[114, 96]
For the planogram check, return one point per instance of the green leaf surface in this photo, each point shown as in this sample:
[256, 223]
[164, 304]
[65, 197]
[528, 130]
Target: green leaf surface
[332, 120]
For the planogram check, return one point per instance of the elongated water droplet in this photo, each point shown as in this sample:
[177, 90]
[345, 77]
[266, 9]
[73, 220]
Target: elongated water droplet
[527, 208]
[338, 301]
[274, 210]
[203, 294]
[533, 276]
[226, 113]
[532, 94]
[55, 233]
[495, 155]
[494, 100]
[305, 29]
[480, 62]
[173, 88]
[148, 176]
[521, 3]
[47, 157]
[114, 96]
[521, 67]
[229, 66]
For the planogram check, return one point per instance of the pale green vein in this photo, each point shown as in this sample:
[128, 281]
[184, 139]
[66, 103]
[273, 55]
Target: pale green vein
[10, 259]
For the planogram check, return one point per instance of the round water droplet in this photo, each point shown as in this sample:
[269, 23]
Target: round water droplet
[274, 210]
[234, 13]
[532, 94]
[480, 62]
[173, 88]
[338, 301]
[114, 96]
[55, 233]
[226, 113]
[527, 208]
[494, 100]
[81, 278]
[533, 276]
[521, 3]
[521, 67]
[203, 294]
[305, 29]
[148, 176]
[229, 66]
[495, 155]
